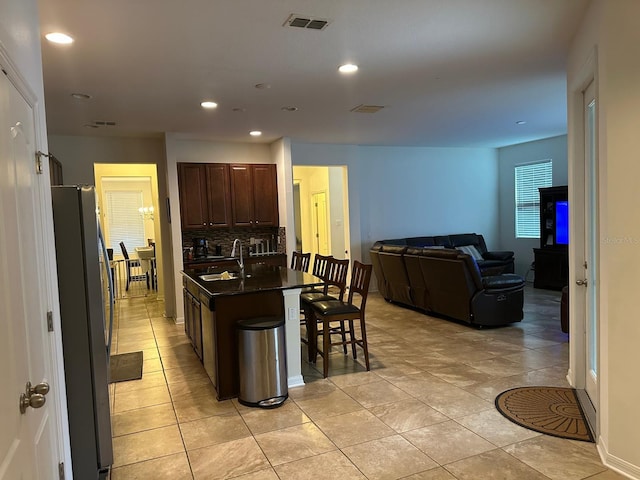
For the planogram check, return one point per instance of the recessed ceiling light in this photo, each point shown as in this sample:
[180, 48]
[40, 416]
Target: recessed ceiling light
[208, 104]
[289, 109]
[81, 96]
[57, 37]
[238, 109]
[262, 86]
[348, 68]
[255, 133]
[520, 122]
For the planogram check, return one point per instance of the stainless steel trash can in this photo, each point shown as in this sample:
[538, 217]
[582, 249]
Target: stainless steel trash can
[262, 362]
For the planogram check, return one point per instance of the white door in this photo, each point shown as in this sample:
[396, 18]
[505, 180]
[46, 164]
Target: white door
[590, 273]
[321, 234]
[29, 440]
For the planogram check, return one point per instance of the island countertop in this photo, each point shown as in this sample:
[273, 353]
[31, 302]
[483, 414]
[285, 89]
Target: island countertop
[258, 278]
[213, 308]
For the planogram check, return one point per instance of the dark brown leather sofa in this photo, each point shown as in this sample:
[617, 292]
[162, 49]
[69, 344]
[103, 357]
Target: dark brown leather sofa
[448, 283]
[490, 263]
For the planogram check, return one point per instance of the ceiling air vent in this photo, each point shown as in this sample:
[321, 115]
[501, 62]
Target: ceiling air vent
[305, 21]
[101, 123]
[367, 108]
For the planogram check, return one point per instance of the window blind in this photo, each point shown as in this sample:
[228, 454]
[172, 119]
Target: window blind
[529, 178]
[124, 220]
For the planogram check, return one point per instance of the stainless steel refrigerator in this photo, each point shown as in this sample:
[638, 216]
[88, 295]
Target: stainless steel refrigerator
[86, 319]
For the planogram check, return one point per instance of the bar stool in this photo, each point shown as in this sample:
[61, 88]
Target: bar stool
[331, 311]
[335, 278]
[300, 261]
[319, 270]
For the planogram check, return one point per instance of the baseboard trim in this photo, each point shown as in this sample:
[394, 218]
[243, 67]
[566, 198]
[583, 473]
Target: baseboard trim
[614, 463]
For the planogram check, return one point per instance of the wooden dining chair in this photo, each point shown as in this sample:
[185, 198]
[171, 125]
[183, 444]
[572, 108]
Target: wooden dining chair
[328, 312]
[319, 270]
[133, 269]
[334, 287]
[300, 261]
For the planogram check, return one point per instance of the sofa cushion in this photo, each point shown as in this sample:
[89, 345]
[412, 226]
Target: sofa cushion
[498, 255]
[420, 241]
[472, 251]
[501, 282]
[395, 241]
[460, 239]
[397, 249]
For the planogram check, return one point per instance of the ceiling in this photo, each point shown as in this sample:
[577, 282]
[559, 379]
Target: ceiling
[447, 72]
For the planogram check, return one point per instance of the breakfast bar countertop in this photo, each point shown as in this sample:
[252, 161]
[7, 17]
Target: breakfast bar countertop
[257, 278]
[264, 291]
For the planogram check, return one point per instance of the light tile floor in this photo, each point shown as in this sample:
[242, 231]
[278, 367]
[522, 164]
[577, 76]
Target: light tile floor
[424, 412]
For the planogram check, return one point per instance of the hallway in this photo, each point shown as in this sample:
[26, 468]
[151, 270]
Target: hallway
[424, 412]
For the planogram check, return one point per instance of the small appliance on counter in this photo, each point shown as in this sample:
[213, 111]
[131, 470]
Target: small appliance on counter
[200, 249]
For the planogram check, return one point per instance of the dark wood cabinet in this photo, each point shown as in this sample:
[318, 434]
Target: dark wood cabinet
[279, 260]
[205, 199]
[254, 195]
[551, 268]
[193, 317]
[552, 259]
[222, 195]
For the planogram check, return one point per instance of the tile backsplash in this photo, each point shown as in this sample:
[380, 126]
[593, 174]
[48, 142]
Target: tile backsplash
[225, 237]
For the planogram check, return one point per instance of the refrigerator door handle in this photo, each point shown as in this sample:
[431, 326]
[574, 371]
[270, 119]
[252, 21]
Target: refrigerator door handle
[111, 293]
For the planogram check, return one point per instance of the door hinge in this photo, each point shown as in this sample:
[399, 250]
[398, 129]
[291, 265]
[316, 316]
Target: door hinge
[50, 321]
[39, 155]
[61, 470]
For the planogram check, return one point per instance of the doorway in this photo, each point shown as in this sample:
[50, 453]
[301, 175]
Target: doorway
[129, 213]
[319, 222]
[586, 275]
[321, 210]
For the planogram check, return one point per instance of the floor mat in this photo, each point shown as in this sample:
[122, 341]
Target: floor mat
[549, 410]
[125, 366]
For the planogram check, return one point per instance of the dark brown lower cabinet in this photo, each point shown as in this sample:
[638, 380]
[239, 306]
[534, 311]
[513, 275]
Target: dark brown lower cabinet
[551, 268]
[192, 317]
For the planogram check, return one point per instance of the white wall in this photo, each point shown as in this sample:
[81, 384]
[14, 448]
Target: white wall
[607, 43]
[78, 156]
[554, 148]
[411, 191]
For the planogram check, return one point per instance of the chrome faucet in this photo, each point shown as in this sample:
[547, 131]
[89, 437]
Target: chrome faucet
[233, 254]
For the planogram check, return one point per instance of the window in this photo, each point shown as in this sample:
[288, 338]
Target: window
[124, 220]
[529, 178]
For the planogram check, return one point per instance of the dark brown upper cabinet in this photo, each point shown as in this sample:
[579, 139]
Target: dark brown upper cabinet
[254, 195]
[205, 198]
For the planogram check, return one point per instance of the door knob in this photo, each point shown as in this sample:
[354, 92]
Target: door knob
[34, 396]
[582, 282]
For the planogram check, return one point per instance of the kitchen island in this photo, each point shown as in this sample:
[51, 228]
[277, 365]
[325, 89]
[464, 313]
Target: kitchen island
[214, 303]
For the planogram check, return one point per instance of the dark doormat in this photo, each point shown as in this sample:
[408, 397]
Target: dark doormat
[125, 366]
[549, 410]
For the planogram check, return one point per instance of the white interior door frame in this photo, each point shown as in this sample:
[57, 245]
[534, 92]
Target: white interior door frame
[578, 246]
[56, 444]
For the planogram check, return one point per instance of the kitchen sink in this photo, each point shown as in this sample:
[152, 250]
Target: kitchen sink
[210, 277]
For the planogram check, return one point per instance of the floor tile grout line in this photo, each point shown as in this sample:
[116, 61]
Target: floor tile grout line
[341, 388]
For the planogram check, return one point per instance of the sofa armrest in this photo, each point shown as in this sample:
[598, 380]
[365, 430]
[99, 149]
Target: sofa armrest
[502, 282]
[498, 255]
